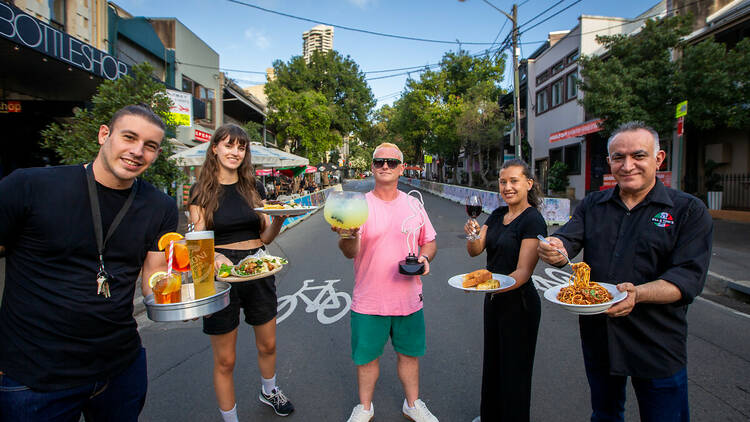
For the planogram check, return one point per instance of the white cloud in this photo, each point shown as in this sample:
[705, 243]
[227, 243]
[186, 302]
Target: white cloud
[361, 3]
[258, 38]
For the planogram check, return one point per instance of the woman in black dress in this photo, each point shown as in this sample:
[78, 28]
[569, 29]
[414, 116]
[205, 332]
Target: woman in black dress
[511, 316]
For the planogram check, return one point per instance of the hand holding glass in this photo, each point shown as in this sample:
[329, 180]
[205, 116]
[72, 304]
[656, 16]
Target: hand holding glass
[346, 210]
[473, 209]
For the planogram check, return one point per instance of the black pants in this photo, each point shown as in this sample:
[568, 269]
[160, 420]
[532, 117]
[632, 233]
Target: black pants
[511, 324]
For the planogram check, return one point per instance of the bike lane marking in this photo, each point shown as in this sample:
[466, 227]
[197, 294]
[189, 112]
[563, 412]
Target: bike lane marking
[327, 301]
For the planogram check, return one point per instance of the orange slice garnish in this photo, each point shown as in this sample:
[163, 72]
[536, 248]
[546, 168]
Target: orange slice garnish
[168, 237]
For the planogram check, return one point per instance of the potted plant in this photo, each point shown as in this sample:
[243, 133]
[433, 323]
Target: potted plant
[557, 179]
[713, 185]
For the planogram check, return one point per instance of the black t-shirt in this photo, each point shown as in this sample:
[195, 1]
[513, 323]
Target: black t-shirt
[235, 220]
[56, 331]
[503, 242]
[666, 236]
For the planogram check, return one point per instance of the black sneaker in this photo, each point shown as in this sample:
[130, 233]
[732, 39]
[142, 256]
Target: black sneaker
[280, 403]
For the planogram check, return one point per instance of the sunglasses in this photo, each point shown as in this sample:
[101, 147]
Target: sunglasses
[392, 162]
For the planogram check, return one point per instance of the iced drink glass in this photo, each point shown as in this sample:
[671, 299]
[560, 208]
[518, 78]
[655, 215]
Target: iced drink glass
[168, 288]
[346, 210]
[200, 247]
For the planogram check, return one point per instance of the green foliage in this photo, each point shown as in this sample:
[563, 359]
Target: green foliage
[557, 178]
[76, 140]
[712, 179]
[329, 93]
[641, 79]
[254, 131]
[305, 119]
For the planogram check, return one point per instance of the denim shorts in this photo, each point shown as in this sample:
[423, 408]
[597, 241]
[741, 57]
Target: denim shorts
[257, 298]
[370, 333]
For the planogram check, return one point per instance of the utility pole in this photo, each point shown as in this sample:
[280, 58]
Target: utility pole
[513, 16]
[516, 85]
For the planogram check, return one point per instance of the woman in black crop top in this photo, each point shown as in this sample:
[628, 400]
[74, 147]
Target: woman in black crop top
[223, 200]
[511, 316]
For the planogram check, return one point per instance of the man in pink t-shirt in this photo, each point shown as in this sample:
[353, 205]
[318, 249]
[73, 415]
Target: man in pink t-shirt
[385, 303]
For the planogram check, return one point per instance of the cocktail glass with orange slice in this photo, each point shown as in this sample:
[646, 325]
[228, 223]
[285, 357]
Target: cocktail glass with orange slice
[180, 256]
[167, 287]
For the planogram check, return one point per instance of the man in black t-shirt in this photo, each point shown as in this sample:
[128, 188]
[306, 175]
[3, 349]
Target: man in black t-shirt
[654, 243]
[70, 344]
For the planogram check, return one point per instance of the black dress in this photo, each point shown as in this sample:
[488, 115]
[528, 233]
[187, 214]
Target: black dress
[511, 321]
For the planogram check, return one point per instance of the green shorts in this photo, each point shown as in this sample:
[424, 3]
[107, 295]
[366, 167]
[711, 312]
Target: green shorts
[371, 332]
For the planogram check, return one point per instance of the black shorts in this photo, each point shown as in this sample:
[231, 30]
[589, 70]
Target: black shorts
[256, 297]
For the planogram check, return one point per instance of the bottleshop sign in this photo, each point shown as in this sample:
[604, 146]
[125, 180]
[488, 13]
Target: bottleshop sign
[10, 107]
[181, 110]
[26, 30]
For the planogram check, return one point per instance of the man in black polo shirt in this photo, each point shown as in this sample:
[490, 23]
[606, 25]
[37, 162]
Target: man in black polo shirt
[654, 243]
[69, 342]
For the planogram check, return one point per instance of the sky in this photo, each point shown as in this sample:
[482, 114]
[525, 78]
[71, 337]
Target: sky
[250, 40]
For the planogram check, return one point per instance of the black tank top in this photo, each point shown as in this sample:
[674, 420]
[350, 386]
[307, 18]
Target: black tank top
[235, 220]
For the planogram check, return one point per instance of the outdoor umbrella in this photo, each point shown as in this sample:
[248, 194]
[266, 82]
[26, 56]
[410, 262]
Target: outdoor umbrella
[417, 168]
[194, 156]
[327, 167]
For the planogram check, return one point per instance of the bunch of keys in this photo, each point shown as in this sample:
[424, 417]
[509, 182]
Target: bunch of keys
[102, 283]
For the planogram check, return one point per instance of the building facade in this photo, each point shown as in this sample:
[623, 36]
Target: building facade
[318, 38]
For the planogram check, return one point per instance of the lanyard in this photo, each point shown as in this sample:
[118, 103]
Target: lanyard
[96, 214]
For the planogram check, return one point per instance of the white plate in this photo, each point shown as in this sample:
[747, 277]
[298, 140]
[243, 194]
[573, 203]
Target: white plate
[286, 211]
[505, 282]
[617, 296]
[234, 278]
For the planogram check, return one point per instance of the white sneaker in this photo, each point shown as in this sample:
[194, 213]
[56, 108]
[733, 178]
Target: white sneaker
[359, 414]
[477, 419]
[419, 413]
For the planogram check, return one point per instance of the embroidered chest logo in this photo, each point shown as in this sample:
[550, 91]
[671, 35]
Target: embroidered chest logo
[662, 219]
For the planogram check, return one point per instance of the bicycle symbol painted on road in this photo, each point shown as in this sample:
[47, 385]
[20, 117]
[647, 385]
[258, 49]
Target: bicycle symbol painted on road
[328, 299]
[556, 275]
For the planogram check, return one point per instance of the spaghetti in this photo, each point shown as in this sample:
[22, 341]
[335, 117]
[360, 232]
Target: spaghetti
[581, 290]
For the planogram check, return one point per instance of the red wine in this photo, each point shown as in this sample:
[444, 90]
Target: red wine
[474, 210]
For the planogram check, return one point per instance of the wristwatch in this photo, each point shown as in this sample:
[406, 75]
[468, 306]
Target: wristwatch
[426, 257]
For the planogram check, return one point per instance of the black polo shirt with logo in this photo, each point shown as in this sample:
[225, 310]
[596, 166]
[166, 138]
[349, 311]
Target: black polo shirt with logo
[667, 236]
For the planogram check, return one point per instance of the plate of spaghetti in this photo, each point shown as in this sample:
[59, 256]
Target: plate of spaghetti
[583, 296]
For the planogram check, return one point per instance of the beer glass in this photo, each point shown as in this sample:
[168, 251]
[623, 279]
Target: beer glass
[200, 247]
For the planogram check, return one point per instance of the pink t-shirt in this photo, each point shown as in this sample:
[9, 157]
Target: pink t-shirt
[379, 289]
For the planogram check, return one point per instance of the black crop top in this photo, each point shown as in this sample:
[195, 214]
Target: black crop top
[235, 220]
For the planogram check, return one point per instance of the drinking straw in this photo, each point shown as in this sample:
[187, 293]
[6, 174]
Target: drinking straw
[169, 259]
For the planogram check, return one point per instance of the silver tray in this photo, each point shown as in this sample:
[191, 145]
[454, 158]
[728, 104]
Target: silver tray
[189, 309]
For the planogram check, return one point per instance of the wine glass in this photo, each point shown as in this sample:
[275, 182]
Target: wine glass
[346, 210]
[473, 209]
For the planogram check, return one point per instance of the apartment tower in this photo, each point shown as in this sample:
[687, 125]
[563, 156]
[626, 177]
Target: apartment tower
[319, 38]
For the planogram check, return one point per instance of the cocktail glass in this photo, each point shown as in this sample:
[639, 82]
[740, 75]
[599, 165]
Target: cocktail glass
[180, 256]
[346, 210]
[168, 288]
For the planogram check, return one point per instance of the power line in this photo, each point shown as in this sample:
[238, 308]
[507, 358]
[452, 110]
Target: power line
[349, 28]
[553, 15]
[540, 14]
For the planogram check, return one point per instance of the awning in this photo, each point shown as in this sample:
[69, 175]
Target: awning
[287, 159]
[311, 169]
[194, 156]
[591, 126]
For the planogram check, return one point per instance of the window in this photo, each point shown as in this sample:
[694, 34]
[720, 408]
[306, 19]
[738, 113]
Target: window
[571, 84]
[541, 102]
[57, 13]
[203, 98]
[572, 57]
[558, 67]
[572, 157]
[557, 93]
[542, 77]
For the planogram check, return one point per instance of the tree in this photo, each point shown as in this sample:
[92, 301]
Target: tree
[304, 119]
[254, 131]
[481, 125]
[76, 140]
[337, 80]
[644, 76]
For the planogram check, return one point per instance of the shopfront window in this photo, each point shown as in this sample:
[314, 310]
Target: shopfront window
[570, 155]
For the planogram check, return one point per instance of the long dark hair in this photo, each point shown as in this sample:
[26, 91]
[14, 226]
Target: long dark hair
[207, 191]
[535, 194]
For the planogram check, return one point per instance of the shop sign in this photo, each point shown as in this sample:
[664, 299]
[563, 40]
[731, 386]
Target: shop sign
[10, 107]
[575, 131]
[181, 110]
[29, 31]
[609, 180]
[202, 136]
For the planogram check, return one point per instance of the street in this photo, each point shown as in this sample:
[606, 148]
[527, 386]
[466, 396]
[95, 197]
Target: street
[316, 371]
